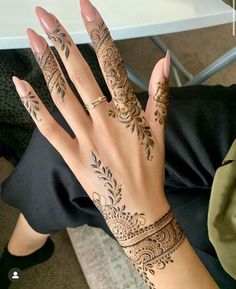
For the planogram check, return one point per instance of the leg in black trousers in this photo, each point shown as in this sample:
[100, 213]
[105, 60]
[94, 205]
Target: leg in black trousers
[199, 132]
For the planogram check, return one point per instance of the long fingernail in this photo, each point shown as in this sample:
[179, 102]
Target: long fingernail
[47, 20]
[88, 10]
[37, 42]
[167, 64]
[20, 85]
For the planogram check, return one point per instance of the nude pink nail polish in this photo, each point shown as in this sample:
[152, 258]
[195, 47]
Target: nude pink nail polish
[167, 64]
[88, 10]
[20, 85]
[37, 42]
[47, 20]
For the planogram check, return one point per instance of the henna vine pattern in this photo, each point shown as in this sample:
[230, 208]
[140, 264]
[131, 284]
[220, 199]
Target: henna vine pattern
[57, 35]
[161, 99]
[31, 104]
[127, 109]
[148, 246]
[51, 72]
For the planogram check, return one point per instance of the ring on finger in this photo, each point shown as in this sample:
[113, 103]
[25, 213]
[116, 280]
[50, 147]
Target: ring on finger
[94, 103]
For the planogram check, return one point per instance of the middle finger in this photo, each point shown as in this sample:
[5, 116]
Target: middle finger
[128, 110]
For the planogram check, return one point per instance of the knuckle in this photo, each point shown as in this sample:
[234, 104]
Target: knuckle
[49, 130]
[106, 129]
[58, 90]
[57, 99]
[79, 75]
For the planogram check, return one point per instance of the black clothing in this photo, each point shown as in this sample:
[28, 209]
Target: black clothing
[200, 130]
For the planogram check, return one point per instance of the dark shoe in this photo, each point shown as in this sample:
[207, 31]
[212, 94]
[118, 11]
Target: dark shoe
[9, 261]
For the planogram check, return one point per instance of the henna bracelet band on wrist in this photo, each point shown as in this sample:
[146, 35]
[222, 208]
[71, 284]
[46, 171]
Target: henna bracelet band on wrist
[152, 246]
[149, 247]
[161, 238]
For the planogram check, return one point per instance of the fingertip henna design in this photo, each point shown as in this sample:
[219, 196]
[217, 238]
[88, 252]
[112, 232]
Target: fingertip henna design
[31, 104]
[51, 72]
[57, 35]
[161, 99]
[149, 247]
[127, 107]
[99, 36]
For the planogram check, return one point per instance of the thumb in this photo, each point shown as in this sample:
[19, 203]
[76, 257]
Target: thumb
[156, 109]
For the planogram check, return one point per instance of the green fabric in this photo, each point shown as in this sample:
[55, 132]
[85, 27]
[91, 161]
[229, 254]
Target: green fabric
[222, 212]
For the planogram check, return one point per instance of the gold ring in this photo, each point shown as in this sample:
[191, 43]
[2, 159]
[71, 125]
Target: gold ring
[95, 102]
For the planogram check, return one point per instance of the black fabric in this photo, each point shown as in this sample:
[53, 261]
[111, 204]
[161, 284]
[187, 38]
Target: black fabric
[200, 130]
[16, 126]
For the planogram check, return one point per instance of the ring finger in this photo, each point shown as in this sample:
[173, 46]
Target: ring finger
[76, 66]
[61, 93]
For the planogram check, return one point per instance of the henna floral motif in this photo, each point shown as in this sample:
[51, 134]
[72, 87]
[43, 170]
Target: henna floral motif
[57, 35]
[152, 248]
[51, 72]
[148, 246]
[31, 104]
[127, 109]
[161, 99]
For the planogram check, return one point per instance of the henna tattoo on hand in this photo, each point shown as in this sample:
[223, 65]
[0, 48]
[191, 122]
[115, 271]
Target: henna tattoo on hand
[60, 37]
[51, 72]
[127, 109]
[149, 247]
[152, 247]
[161, 99]
[31, 104]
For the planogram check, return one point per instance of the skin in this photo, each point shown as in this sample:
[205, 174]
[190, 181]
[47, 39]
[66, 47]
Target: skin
[127, 186]
[24, 239]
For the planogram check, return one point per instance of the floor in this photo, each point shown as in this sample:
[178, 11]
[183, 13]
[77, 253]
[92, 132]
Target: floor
[196, 49]
[62, 271]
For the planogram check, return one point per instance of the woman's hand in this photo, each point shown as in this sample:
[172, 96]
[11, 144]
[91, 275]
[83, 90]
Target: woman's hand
[118, 146]
[117, 153]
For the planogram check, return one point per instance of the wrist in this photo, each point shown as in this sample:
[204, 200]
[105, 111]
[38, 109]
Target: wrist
[150, 248]
[153, 207]
[158, 210]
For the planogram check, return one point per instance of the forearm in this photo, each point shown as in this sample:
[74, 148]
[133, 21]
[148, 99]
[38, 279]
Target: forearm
[151, 237]
[186, 271]
[165, 259]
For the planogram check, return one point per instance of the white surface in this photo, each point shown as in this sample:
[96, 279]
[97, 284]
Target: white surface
[126, 19]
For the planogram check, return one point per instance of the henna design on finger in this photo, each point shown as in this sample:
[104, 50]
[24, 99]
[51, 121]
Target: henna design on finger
[127, 107]
[31, 104]
[57, 35]
[149, 247]
[51, 72]
[161, 99]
